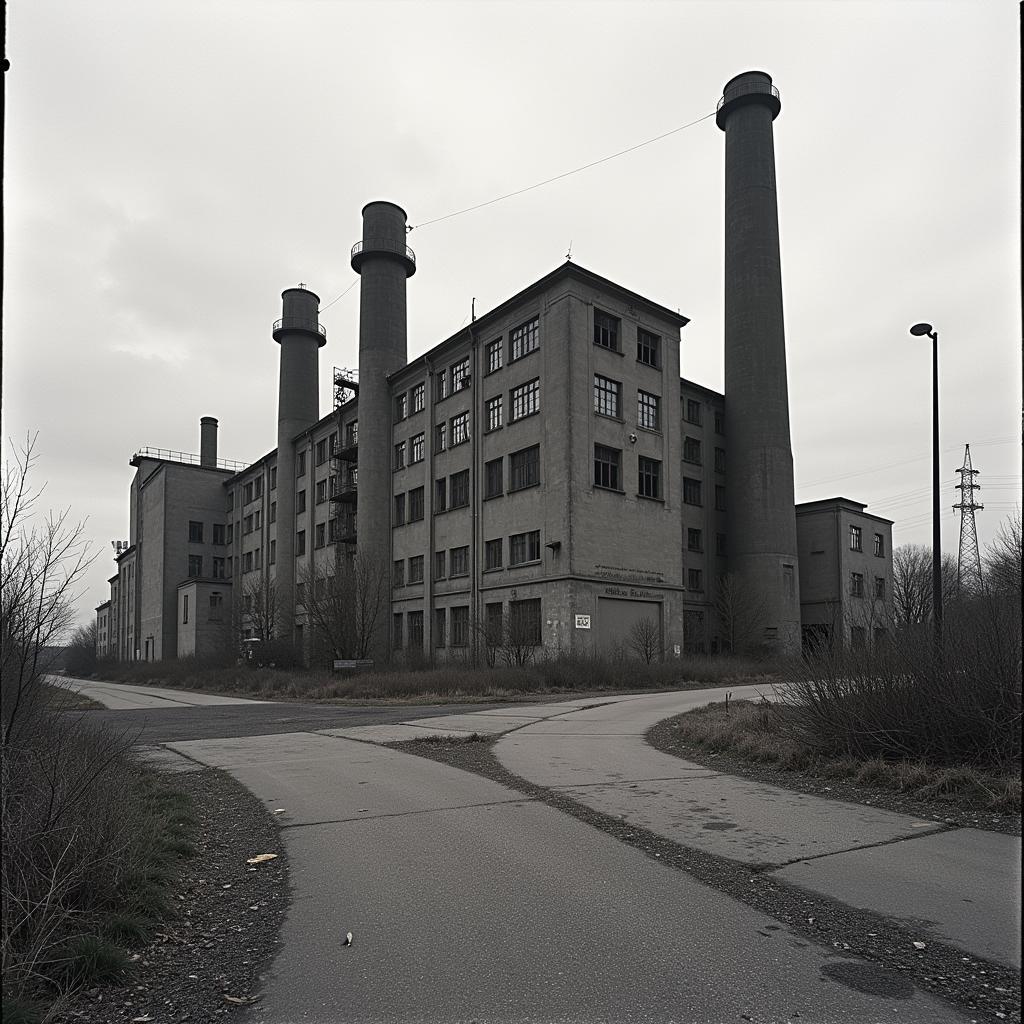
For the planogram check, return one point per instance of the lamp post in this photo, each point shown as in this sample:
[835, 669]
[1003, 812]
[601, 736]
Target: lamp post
[920, 330]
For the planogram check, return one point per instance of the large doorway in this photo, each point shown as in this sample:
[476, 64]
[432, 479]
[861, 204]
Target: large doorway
[622, 625]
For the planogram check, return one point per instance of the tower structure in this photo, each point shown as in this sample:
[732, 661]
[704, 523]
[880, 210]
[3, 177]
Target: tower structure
[761, 520]
[969, 582]
[300, 336]
[384, 263]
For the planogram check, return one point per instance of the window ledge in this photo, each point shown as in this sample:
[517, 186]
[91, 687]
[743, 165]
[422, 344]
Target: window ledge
[609, 416]
[613, 351]
[525, 355]
[612, 490]
[650, 497]
[525, 487]
[522, 565]
[493, 430]
[497, 568]
[650, 430]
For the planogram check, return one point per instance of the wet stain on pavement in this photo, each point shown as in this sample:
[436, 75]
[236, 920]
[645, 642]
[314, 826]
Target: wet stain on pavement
[868, 978]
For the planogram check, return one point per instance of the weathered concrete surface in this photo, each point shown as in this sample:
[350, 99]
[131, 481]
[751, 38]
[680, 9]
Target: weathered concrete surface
[963, 886]
[468, 902]
[125, 697]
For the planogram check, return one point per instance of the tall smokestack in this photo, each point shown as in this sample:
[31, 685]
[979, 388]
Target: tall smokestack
[208, 442]
[384, 262]
[760, 510]
[300, 336]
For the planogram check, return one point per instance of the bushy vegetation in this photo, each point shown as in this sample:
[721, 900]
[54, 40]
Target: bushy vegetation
[453, 681]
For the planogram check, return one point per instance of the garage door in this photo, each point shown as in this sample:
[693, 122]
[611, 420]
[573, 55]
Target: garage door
[616, 619]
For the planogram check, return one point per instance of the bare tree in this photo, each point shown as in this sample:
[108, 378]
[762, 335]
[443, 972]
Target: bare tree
[645, 640]
[520, 635]
[741, 613]
[42, 564]
[346, 604]
[912, 583]
[81, 655]
[261, 608]
[1002, 561]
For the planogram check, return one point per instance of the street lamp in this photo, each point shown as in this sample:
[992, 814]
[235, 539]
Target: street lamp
[919, 331]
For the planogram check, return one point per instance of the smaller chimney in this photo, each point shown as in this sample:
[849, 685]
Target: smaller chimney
[208, 442]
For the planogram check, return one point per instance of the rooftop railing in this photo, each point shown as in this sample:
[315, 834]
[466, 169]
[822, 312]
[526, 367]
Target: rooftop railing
[186, 458]
[298, 323]
[383, 245]
[747, 89]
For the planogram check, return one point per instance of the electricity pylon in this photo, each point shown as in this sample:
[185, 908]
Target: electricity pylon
[968, 567]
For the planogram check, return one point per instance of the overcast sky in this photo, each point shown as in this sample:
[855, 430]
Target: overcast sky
[171, 167]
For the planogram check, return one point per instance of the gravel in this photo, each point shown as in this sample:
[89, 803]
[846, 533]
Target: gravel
[989, 992]
[208, 962]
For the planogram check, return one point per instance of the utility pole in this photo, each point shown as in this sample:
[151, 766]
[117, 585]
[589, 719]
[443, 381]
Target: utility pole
[969, 582]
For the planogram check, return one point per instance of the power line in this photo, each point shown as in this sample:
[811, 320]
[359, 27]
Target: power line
[564, 174]
[341, 296]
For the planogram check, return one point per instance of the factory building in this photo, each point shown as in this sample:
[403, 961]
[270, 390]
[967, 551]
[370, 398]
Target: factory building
[544, 479]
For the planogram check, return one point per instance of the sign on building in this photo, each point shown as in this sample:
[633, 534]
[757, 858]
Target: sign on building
[583, 622]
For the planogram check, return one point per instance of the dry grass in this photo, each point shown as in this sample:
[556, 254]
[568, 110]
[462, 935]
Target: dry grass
[765, 733]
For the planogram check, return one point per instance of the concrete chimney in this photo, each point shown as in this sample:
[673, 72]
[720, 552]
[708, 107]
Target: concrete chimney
[384, 262]
[761, 519]
[208, 442]
[300, 336]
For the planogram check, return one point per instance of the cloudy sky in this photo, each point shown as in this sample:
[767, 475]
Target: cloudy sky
[171, 167]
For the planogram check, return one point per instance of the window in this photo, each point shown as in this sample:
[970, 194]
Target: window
[606, 330]
[719, 498]
[415, 504]
[460, 626]
[494, 412]
[231, 500]
[231, 567]
[300, 502]
[719, 460]
[720, 544]
[321, 452]
[218, 533]
[525, 400]
[399, 460]
[257, 516]
[648, 478]
[879, 544]
[494, 355]
[524, 547]
[321, 491]
[607, 395]
[648, 411]
[300, 464]
[219, 568]
[416, 569]
[440, 626]
[694, 579]
[398, 573]
[492, 554]
[856, 584]
[880, 587]
[352, 434]
[691, 491]
[418, 398]
[415, 630]
[440, 564]
[231, 531]
[300, 543]
[257, 558]
[524, 339]
[195, 565]
[247, 562]
[855, 541]
[320, 537]
[648, 348]
[460, 428]
[273, 512]
[493, 485]
[416, 449]
[247, 494]
[458, 564]
[401, 406]
[692, 450]
[441, 385]
[258, 482]
[184, 608]
[272, 559]
[719, 422]
[460, 375]
[524, 468]
[216, 607]
[396, 631]
[788, 581]
[439, 437]
[332, 443]
[399, 516]
[607, 467]
[441, 494]
[273, 477]
[694, 540]
[693, 411]
[524, 621]
[494, 624]
[195, 532]
[458, 489]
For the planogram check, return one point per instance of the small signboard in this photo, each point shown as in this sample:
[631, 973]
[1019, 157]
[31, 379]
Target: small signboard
[349, 663]
[583, 622]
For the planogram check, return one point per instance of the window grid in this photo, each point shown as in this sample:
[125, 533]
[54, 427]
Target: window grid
[693, 411]
[460, 375]
[415, 504]
[607, 394]
[416, 449]
[492, 554]
[493, 482]
[524, 468]
[458, 489]
[691, 491]
[400, 455]
[416, 569]
[525, 400]
[648, 410]
[418, 398]
[647, 348]
[458, 562]
[460, 428]
[855, 538]
[524, 339]
[606, 330]
[524, 547]
[494, 355]
[494, 412]
[649, 477]
[607, 467]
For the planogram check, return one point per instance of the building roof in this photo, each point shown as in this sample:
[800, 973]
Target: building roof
[685, 384]
[823, 504]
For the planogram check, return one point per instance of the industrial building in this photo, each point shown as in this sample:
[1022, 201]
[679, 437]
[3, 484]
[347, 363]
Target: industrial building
[544, 479]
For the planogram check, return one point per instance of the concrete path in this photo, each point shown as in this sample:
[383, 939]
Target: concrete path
[961, 886]
[124, 696]
[469, 902]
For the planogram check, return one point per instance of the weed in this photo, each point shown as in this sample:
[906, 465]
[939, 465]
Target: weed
[88, 959]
